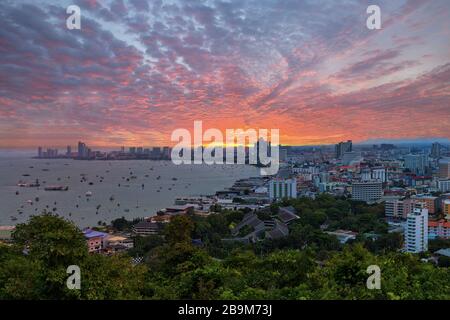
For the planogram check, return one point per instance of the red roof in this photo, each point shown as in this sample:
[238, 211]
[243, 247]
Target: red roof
[443, 223]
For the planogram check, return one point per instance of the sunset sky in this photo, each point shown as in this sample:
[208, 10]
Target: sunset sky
[137, 70]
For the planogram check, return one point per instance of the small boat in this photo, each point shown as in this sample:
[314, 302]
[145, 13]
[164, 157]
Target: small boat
[13, 218]
[56, 188]
[88, 194]
[174, 179]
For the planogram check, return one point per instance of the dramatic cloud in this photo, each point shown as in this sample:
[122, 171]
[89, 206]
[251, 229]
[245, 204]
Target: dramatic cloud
[139, 69]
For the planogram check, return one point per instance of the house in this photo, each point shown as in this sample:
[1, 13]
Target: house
[116, 240]
[287, 214]
[343, 235]
[96, 240]
[147, 227]
[6, 232]
[181, 209]
[443, 252]
[279, 230]
[251, 222]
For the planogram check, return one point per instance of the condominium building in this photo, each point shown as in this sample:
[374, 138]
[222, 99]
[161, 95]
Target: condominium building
[446, 207]
[444, 185]
[282, 188]
[416, 163]
[379, 174]
[399, 209]
[439, 229]
[436, 150]
[368, 191]
[343, 147]
[416, 231]
[430, 202]
[444, 168]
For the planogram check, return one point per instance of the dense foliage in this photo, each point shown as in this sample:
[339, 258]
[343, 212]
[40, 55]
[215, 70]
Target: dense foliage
[308, 264]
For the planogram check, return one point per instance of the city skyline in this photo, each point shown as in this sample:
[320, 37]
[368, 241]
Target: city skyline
[136, 71]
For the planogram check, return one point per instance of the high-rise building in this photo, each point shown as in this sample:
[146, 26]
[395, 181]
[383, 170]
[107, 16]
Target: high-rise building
[156, 152]
[416, 163]
[366, 174]
[379, 174]
[83, 150]
[446, 207]
[263, 148]
[283, 154]
[368, 191]
[351, 157]
[436, 150]
[444, 168]
[343, 147]
[444, 185]
[439, 229]
[69, 151]
[429, 202]
[132, 150]
[40, 152]
[416, 231]
[282, 188]
[166, 153]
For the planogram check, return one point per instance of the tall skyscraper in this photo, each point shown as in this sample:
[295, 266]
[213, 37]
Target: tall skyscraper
[416, 231]
[40, 152]
[166, 153]
[444, 168]
[83, 151]
[69, 151]
[416, 163]
[262, 149]
[343, 147]
[436, 150]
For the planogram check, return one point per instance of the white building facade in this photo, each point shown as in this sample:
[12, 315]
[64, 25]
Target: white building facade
[416, 231]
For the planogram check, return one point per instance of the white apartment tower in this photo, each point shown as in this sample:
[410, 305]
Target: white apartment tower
[416, 231]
